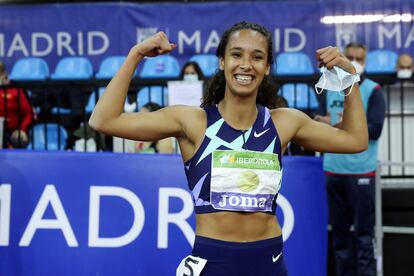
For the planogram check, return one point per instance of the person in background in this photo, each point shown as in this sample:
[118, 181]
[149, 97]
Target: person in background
[350, 178]
[191, 71]
[160, 146]
[405, 66]
[17, 111]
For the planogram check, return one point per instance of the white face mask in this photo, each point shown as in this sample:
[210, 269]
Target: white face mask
[335, 79]
[190, 77]
[359, 68]
[404, 74]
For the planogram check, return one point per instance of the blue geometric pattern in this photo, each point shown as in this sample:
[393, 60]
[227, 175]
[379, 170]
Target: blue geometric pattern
[262, 136]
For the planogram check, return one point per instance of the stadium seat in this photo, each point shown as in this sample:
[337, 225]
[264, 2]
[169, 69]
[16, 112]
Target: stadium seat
[73, 68]
[155, 94]
[303, 92]
[30, 69]
[109, 67]
[160, 67]
[207, 62]
[52, 130]
[381, 62]
[295, 63]
[92, 100]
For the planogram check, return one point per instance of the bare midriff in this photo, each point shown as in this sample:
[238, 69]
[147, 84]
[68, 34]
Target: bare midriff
[237, 226]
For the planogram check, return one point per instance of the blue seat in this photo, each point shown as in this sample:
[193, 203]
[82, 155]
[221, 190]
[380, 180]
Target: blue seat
[92, 100]
[54, 142]
[295, 63]
[109, 67]
[73, 68]
[381, 61]
[154, 94]
[30, 69]
[305, 96]
[207, 62]
[160, 67]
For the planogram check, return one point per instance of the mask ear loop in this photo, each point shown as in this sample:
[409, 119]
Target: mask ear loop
[352, 86]
[324, 81]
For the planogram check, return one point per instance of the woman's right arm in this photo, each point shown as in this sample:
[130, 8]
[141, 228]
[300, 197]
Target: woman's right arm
[108, 116]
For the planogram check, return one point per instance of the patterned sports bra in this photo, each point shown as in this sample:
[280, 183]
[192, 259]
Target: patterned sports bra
[236, 170]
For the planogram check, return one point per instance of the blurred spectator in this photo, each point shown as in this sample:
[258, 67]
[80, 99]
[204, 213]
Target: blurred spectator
[17, 111]
[160, 146]
[350, 178]
[191, 71]
[405, 66]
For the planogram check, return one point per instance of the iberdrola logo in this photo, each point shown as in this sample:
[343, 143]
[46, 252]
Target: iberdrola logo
[227, 159]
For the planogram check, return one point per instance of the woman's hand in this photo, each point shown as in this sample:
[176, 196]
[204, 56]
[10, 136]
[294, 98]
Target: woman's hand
[331, 56]
[155, 45]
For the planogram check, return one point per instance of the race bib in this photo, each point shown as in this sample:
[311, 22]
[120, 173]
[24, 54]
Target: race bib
[191, 266]
[244, 180]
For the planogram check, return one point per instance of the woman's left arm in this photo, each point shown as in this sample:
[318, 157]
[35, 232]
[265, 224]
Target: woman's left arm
[352, 136]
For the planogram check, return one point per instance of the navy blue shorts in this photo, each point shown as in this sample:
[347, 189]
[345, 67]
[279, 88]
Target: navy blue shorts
[258, 258]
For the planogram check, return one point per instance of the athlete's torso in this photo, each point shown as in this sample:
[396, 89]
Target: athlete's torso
[233, 225]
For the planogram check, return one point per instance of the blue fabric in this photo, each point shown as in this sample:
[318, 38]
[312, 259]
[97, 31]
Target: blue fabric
[160, 67]
[241, 259]
[30, 69]
[381, 61]
[73, 68]
[352, 202]
[152, 94]
[293, 64]
[109, 67]
[376, 113]
[220, 135]
[355, 163]
[48, 136]
[208, 63]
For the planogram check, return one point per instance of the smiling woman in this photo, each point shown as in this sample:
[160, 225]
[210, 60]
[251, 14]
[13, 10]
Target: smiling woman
[237, 232]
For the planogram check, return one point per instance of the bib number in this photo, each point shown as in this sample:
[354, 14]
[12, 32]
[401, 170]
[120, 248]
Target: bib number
[191, 266]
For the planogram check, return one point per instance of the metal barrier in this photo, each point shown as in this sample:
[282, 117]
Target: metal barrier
[380, 185]
[395, 142]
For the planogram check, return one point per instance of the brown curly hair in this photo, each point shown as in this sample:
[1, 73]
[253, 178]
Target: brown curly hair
[216, 86]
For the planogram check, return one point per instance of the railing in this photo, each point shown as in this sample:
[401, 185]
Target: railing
[50, 99]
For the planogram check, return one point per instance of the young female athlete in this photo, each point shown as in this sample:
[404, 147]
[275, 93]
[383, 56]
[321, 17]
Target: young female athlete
[232, 147]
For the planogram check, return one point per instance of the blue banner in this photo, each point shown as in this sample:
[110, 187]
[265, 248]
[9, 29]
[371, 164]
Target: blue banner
[130, 214]
[98, 30]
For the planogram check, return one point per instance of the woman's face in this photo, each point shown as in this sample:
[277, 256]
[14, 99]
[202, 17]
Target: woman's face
[190, 70]
[245, 62]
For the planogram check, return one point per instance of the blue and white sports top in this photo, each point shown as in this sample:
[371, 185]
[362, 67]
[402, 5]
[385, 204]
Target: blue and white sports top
[262, 137]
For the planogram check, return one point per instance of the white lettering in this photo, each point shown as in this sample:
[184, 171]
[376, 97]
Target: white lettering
[17, 45]
[35, 40]
[80, 43]
[183, 38]
[105, 44]
[277, 40]
[5, 203]
[249, 202]
[179, 219]
[382, 31]
[234, 201]
[1, 45]
[212, 42]
[410, 38]
[61, 222]
[63, 41]
[94, 206]
[302, 40]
